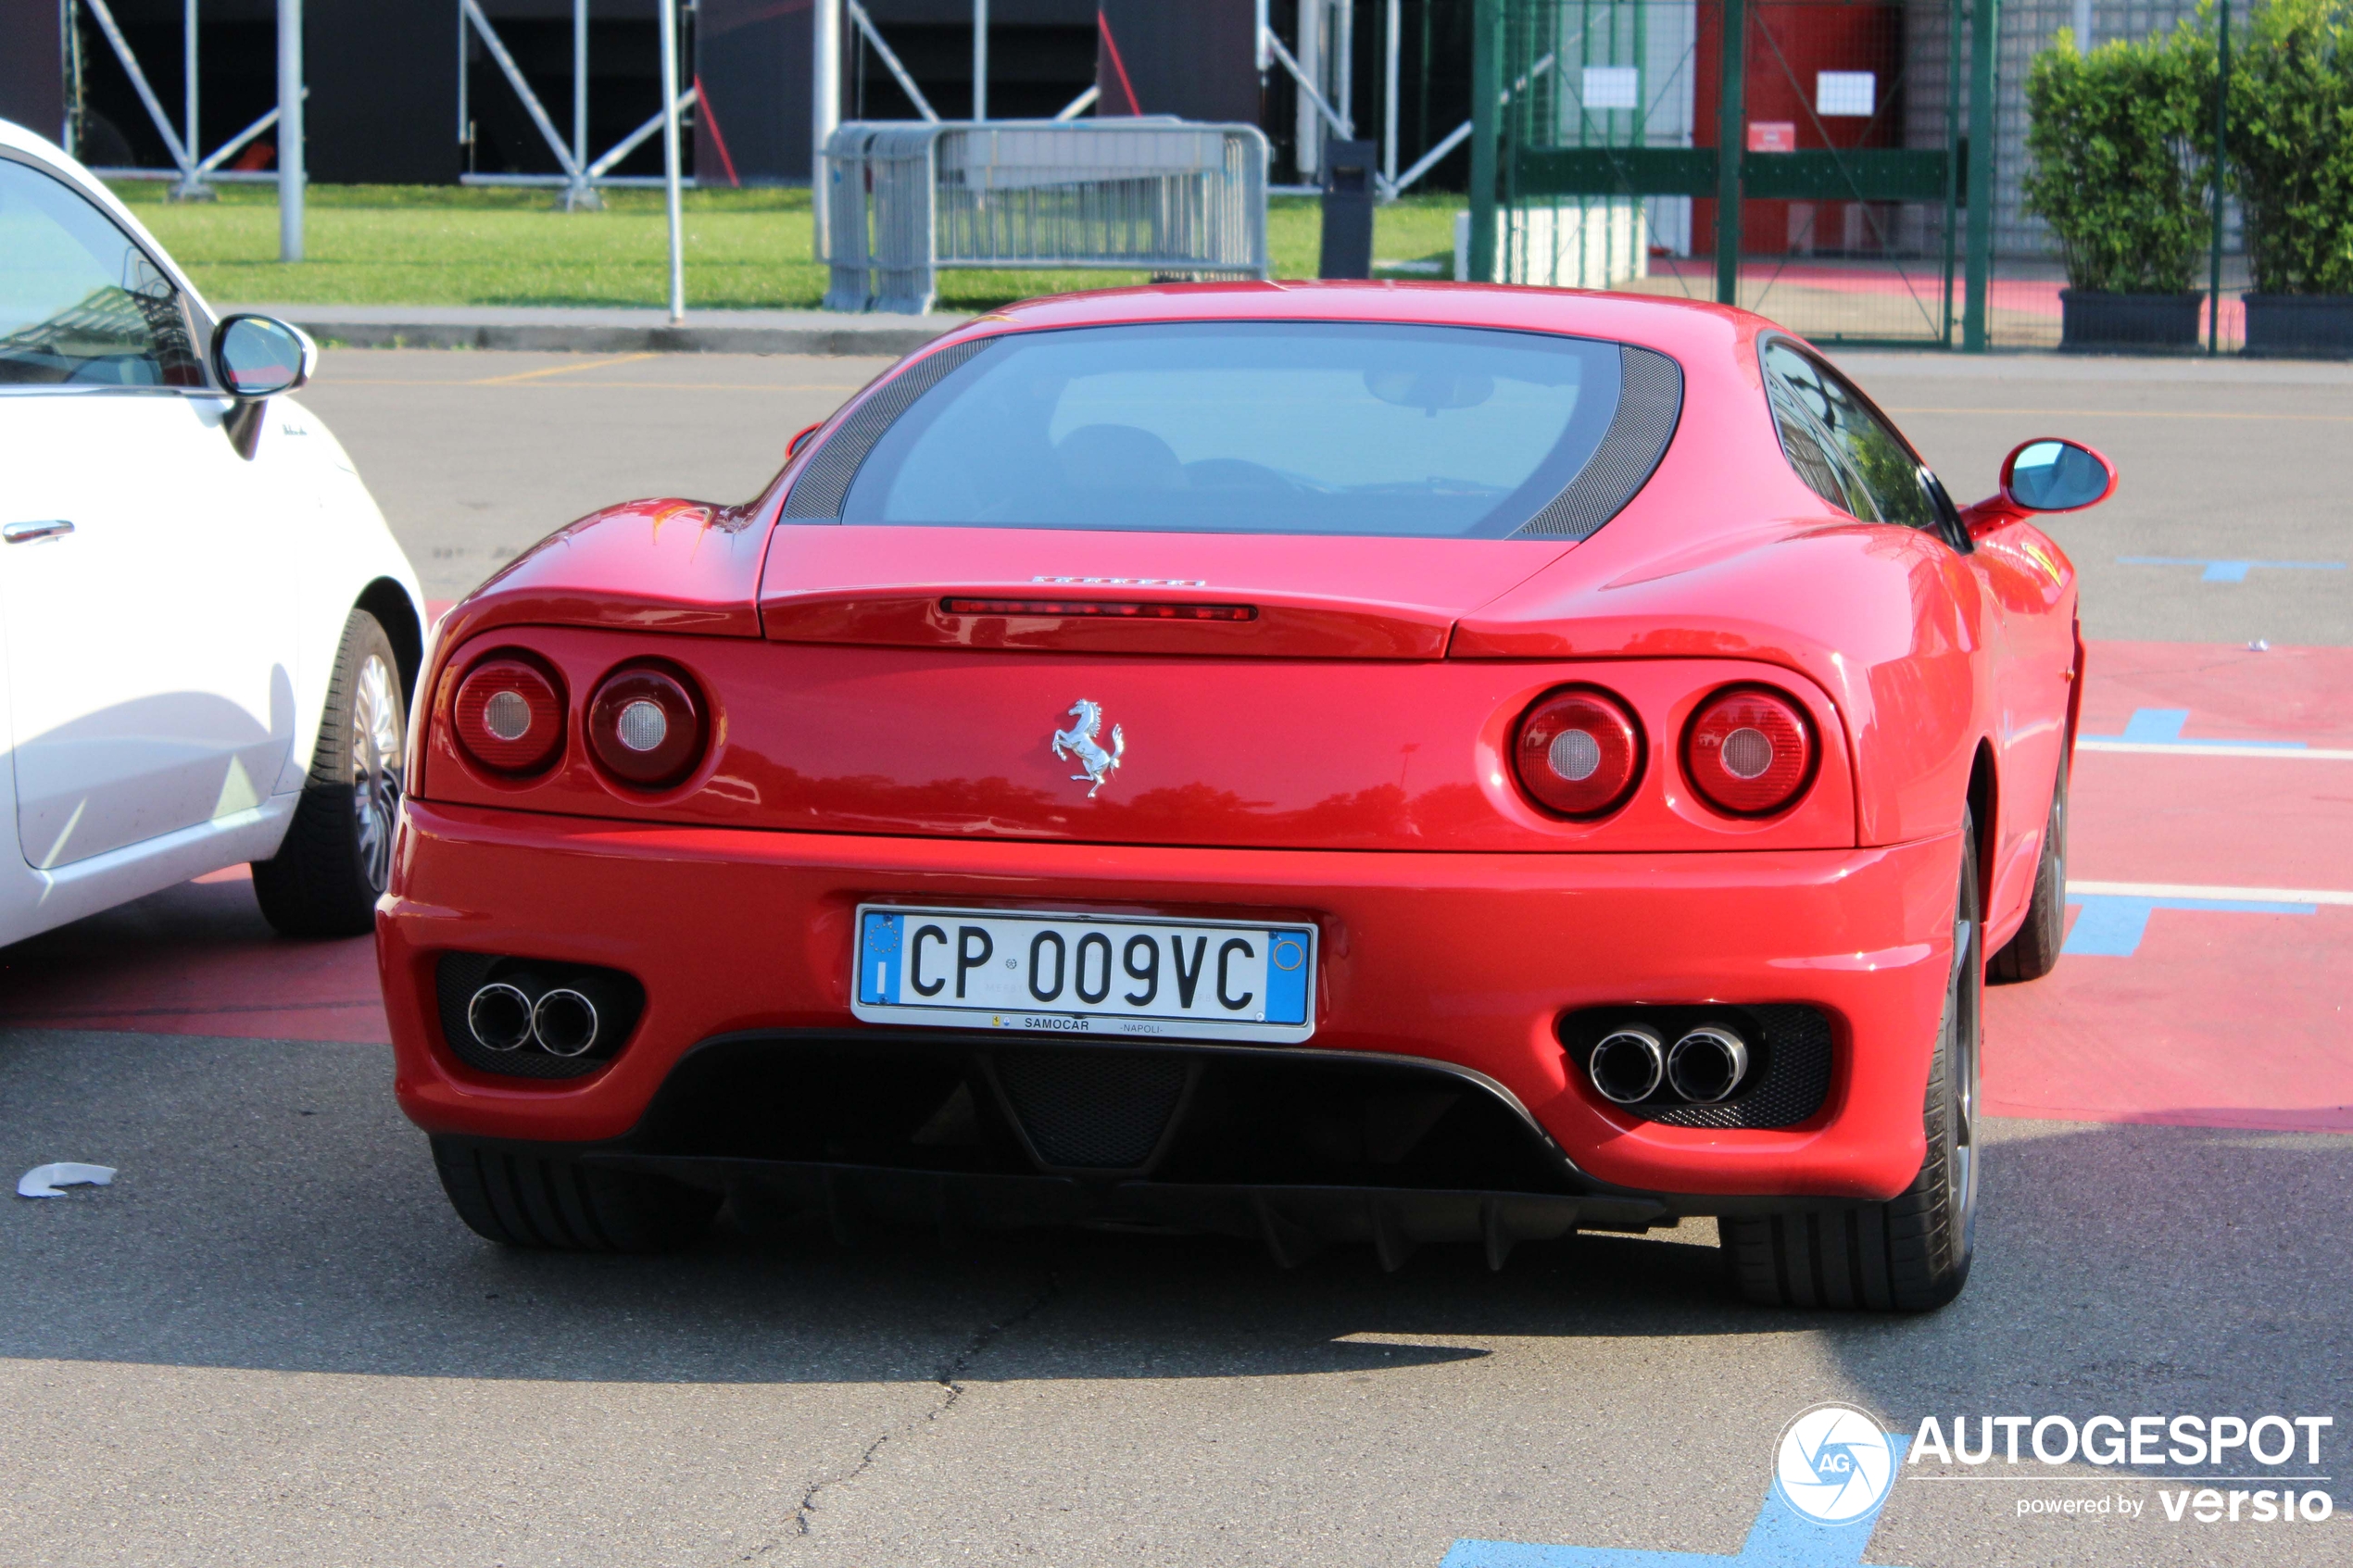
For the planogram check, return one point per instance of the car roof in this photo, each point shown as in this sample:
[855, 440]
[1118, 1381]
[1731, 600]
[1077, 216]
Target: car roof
[1687, 329]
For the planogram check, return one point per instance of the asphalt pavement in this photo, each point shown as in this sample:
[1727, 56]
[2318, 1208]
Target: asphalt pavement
[271, 1342]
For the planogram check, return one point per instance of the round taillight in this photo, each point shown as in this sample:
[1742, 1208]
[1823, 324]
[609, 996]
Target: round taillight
[1749, 751]
[509, 715]
[1579, 752]
[647, 726]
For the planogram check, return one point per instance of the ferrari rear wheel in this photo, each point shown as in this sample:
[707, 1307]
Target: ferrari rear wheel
[549, 1203]
[2035, 952]
[337, 856]
[1911, 1253]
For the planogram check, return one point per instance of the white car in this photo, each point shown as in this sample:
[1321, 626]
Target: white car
[209, 633]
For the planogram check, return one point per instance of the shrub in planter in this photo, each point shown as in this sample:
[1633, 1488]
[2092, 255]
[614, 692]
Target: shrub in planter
[2117, 142]
[2292, 163]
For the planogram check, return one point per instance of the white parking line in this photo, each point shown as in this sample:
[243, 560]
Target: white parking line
[2178, 890]
[2214, 748]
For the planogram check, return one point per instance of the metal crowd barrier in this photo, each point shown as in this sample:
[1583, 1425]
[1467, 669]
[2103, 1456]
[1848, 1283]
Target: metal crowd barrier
[1136, 195]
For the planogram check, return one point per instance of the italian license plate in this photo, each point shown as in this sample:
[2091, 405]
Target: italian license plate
[1085, 974]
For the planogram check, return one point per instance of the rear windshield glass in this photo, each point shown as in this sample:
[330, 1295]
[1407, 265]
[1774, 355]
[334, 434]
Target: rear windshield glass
[1252, 427]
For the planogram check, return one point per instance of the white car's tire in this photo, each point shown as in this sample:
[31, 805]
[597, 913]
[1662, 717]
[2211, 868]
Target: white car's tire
[337, 854]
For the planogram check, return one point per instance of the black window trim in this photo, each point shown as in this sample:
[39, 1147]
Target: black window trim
[200, 321]
[1949, 527]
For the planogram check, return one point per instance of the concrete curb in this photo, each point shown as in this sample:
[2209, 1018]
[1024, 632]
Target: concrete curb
[609, 332]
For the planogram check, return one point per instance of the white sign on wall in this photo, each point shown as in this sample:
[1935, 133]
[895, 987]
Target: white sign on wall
[1612, 87]
[1847, 93]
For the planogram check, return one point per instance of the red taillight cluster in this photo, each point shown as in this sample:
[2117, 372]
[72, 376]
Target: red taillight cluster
[1579, 752]
[646, 725]
[1749, 751]
[509, 715]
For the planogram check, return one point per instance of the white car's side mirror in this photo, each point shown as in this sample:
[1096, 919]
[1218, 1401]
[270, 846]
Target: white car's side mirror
[254, 359]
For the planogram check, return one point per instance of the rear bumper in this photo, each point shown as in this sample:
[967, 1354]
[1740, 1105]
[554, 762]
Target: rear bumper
[1463, 960]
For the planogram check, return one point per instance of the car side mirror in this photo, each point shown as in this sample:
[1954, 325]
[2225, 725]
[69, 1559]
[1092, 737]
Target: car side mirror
[2046, 474]
[254, 358]
[801, 439]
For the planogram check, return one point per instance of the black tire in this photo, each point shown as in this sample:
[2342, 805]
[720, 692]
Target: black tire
[2035, 952]
[337, 853]
[1911, 1254]
[548, 1203]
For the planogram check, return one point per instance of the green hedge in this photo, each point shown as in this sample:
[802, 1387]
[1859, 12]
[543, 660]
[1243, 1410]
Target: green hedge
[2290, 152]
[2119, 171]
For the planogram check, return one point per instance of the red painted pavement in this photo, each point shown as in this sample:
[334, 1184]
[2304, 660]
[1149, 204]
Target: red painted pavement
[2221, 1019]
[194, 959]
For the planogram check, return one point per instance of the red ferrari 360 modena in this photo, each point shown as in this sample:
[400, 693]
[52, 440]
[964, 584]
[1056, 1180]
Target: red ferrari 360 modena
[1329, 762]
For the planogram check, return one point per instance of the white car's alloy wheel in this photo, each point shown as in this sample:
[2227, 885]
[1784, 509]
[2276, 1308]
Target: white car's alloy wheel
[377, 744]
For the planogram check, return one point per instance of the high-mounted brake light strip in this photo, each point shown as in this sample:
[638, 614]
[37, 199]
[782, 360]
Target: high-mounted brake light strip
[1108, 609]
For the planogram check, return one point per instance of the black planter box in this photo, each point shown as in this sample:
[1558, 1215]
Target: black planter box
[2312, 326]
[2143, 322]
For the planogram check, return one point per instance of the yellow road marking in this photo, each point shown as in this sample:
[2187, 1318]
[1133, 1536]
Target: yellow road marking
[2132, 414]
[607, 386]
[560, 371]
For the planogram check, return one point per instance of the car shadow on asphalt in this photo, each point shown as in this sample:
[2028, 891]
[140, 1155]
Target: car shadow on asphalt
[274, 1212]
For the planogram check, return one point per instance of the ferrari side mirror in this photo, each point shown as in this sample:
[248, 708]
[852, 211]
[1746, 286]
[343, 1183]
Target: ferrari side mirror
[801, 439]
[2046, 475]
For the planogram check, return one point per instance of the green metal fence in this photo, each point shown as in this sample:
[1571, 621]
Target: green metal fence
[1804, 158]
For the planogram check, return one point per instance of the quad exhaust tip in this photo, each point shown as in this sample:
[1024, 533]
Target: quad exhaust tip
[565, 1021]
[1707, 1064]
[499, 1016]
[1628, 1063]
[506, 1015]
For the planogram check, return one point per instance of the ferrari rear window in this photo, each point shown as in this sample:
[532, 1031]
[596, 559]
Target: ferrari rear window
[1258, 427]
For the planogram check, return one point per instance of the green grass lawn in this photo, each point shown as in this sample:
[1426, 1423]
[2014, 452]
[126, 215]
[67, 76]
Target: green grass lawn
[405, 244]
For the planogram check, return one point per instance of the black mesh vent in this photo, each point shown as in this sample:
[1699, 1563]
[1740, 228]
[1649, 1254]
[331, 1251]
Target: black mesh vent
[1650, 401]
[1093, 1110]
[461, 974]
[823, 484]
[1788, 1082]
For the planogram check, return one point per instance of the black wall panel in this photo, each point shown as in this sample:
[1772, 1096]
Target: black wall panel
[384, 91]
[752, 57]
[33, 89]
[1197, 59]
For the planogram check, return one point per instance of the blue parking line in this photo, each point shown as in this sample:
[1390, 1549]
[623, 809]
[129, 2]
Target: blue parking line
[1782, 1538]
[2230, 571]
[2162, 726]
[2112, 924]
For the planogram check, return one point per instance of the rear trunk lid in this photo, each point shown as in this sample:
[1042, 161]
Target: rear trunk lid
[1242, 596]
[1060, 684]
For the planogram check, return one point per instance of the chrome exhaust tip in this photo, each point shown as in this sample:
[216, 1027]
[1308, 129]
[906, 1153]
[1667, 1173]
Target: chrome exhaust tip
[565, 1021]
[1707, 1064]
[499, 1016]
[1626, 1064]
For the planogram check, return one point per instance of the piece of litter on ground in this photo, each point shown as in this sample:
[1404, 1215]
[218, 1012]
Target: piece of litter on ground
[45, 1181]
[2261, 645]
